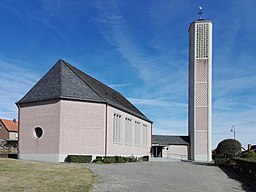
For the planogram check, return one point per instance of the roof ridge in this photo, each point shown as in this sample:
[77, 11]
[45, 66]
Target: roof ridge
[70, 67]
[61, 70]
[7, 120]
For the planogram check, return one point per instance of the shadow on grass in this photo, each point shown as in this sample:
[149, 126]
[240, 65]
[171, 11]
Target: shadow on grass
[246, 184]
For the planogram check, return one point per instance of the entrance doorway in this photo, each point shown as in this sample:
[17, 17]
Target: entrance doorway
[157, 151]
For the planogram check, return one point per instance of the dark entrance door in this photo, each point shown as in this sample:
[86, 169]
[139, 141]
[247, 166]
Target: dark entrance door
[157, 151]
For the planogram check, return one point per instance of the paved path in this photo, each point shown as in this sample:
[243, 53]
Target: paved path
[162, 177]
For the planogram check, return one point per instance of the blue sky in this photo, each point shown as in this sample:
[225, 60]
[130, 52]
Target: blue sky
[139, 48]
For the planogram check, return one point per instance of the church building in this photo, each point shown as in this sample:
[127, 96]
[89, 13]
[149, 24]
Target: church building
[69, 112]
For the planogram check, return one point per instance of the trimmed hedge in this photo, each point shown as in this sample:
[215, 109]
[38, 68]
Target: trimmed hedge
[79, 158]
[99, 158]
[119, 159]
[110, 159]
[132, 159]
[145, 158]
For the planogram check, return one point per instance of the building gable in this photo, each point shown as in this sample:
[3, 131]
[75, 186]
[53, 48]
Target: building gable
[63, 81]
[60, 83]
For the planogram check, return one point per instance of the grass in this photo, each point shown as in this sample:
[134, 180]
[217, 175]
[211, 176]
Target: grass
[21, 175]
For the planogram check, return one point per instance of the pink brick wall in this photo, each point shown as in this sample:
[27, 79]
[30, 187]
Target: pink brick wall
[82, 128]
[122, 148]
[46, 117]
[201, 118]
[201, 143]
[72, 127]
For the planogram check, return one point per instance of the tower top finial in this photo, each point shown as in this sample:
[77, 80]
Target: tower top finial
[200, 12]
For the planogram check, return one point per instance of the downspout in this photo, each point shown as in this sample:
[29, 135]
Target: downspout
[106, 130]
[151, 150]
[18, 148]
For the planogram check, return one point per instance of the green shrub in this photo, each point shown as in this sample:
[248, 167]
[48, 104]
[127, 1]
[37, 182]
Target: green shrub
[120, 159]
[216, 156]
[132, 159]
[79, 158]
[249, 154]
[99, 158]
[145, 158]
[229, 147]
[110, 159]
[126, 159]
[218, 161]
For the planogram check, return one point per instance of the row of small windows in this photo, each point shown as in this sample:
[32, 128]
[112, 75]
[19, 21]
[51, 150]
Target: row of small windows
[128, 132]
[202, 41]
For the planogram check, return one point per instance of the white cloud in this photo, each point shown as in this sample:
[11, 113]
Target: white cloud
[159, 71]
[120, 85]
[157, 102]
[163, 73]
[14, 82]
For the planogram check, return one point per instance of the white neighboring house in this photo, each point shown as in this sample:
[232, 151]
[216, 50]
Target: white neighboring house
[170, 147]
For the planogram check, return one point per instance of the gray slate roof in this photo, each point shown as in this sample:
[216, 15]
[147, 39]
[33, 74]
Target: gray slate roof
[63, 81]
[170, 140]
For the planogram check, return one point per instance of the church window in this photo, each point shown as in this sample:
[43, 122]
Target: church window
[128, 131]
[116, 128]
[38, 132]
[137, 133]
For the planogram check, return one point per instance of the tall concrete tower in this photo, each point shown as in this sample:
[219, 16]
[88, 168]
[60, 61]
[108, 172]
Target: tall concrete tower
[200, 90]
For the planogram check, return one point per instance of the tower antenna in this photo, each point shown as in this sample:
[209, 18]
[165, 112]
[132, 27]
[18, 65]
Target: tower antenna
[200, 12]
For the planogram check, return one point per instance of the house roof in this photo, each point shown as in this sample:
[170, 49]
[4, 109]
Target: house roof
[10, 125]
[64, 81]
[170, 140]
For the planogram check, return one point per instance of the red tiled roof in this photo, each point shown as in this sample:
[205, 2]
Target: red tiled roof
[10, 125]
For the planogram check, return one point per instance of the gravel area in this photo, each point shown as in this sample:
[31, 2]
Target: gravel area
[163, 176]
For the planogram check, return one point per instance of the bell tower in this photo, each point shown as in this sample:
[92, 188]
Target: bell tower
[200, 90]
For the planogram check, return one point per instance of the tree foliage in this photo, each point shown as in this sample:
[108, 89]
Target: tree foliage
[230, 147]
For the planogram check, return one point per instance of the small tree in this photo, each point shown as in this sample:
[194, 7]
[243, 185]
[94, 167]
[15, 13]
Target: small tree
[249, 154]
[229, 147]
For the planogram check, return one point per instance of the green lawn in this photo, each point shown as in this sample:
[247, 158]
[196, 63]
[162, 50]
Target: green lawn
[20, 175]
